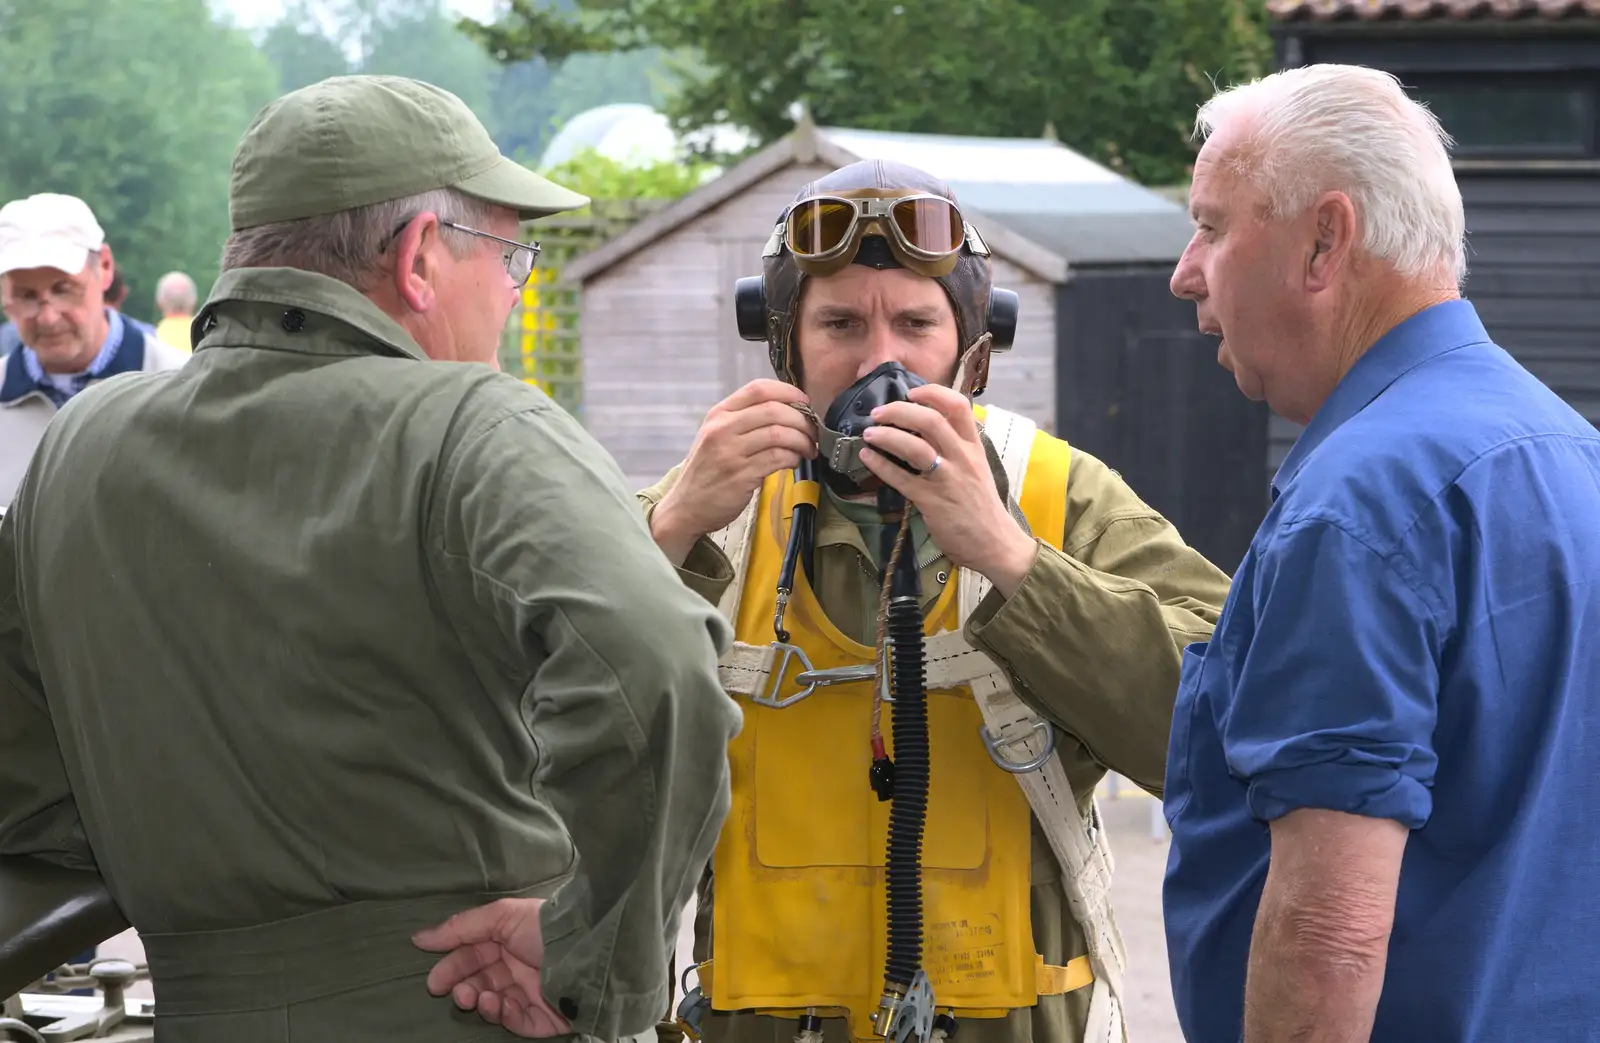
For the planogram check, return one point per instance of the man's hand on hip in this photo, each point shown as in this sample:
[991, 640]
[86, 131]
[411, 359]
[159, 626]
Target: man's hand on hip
[754, 432]
[955, 491]
[494, 956]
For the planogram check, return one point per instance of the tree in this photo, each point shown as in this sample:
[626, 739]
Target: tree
[300, 51]
[1118, 79]
[95, 106]
[416, 38]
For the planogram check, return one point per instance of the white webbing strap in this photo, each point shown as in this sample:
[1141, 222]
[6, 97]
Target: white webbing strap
[734, 542]
[744, 670]
[1020, 736]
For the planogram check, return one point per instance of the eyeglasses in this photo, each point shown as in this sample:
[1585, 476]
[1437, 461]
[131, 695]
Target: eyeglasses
[519, 258]
[29, 304]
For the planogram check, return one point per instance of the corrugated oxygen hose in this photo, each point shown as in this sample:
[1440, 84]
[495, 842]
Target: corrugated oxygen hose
[909, 811]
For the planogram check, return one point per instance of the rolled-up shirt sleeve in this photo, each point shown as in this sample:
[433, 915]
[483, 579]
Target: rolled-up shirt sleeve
[1335, 700]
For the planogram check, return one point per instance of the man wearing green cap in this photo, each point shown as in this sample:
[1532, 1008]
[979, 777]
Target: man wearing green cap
[366, 639]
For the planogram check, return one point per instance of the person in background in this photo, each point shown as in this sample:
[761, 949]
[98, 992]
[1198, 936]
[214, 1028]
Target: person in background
[56, 270]
[1383, 774]
[117, 292]
[117, 296]
[175, 300]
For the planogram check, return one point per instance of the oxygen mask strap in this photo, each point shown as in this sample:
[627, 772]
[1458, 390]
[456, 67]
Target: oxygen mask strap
[972, 374]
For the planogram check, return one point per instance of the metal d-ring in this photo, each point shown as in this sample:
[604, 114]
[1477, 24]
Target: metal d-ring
[1011, 766]
[768, 696]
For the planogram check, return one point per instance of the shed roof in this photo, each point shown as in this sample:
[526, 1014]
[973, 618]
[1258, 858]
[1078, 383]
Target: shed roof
[1429, 10]
[1061, 199]
[1039, 204]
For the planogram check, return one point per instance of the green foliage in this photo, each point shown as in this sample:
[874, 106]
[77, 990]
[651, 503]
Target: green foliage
[419, 39]
[1118, 79]
[300, 52]
[603, 179]
[522, 103]
[135, 106]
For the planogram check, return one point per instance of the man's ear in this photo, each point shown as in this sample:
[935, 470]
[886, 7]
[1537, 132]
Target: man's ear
[416, 262]
[1334, 232]
[108, 267]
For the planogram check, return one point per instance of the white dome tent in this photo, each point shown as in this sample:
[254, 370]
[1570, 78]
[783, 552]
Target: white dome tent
[631, 133]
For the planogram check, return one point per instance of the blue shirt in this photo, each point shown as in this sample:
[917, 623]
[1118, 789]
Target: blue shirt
[76, 382]
[1413, 635]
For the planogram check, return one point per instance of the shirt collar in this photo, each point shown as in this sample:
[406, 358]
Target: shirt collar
[1434, 331]
[119, 353]
[227, 319]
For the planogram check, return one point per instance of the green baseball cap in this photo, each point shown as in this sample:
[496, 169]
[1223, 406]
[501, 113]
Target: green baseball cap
[352, 141]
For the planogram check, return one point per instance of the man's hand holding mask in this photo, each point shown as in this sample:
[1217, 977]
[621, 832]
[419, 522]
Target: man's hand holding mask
[936, 433]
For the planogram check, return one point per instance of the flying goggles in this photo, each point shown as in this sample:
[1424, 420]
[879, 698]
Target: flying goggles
[924, 232]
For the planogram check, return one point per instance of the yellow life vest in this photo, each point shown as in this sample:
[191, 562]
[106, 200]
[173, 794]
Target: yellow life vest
[799, 918]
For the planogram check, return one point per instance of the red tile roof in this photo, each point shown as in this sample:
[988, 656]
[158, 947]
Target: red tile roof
[1420, 10]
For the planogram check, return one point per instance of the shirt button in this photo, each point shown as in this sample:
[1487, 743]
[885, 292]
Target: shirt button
[294, 320]
[568, 1007]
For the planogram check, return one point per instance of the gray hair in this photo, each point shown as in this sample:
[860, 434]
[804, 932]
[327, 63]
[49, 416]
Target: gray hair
[175, 294]
[1354, 130]
[348, 245]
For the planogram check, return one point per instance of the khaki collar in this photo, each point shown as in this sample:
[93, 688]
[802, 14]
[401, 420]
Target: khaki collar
[292, 310]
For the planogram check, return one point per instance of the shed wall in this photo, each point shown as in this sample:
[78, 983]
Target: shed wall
[660, 345]
[1140, 388]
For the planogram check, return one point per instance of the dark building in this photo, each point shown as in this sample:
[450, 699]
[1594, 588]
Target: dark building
[1517, 84]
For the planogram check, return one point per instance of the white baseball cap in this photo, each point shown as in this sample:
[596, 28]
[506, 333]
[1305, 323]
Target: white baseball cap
[48, 231]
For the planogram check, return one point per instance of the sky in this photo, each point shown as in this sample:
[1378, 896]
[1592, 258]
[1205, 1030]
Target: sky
[257, 13]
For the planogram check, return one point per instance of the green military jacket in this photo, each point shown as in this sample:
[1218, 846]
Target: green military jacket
[1094, 635]
[315, 641]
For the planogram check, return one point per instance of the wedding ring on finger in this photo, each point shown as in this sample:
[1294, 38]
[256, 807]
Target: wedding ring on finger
[937, 460]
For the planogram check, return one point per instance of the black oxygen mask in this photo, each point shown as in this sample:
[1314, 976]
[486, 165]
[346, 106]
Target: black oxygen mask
[839, 443]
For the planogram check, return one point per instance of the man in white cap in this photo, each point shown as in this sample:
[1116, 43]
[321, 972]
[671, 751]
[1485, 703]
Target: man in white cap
[55, 267]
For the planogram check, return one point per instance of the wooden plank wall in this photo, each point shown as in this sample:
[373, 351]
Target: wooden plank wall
[661, 348]
[1023, 379]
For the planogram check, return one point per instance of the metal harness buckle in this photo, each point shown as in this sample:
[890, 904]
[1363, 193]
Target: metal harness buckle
[692, 1009]
[809, 676]
[993, 746]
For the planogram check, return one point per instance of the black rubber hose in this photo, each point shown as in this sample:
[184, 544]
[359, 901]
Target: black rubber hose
[798, 551]
[909, 811]
[807, 472]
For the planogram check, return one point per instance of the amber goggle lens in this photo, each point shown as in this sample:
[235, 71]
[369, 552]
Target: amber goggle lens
[821, 226]
[930, 225]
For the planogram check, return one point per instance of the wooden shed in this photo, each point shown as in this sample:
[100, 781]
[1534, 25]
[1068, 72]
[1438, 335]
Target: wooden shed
[1517, 84]
[1103, 355]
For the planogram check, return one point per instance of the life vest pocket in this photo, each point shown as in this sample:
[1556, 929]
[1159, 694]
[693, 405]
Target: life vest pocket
[814, 804]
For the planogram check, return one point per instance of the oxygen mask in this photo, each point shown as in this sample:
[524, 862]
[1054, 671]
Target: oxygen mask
[848, 417]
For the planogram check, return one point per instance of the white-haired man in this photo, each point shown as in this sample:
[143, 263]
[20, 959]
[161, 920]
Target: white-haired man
[176, 297]
[1380, 781]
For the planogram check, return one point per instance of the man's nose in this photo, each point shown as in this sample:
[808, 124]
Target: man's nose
[1187, 281]
[882, 346]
